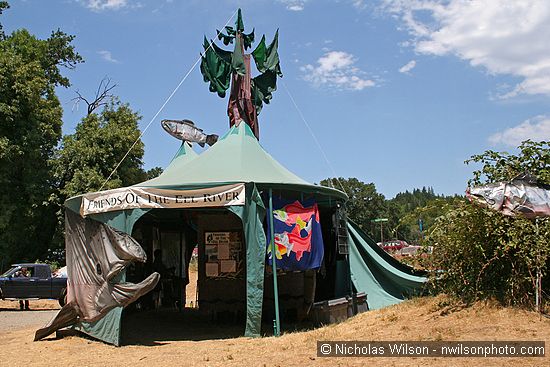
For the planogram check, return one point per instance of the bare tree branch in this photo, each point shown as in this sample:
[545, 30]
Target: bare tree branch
[103, 95]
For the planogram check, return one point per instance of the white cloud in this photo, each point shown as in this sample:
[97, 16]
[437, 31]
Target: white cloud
[407, 67]
[99, 5]
[107, 56]
[504, 37]
[294, 5]
[359, 4]
[336, 69]
[536, 129]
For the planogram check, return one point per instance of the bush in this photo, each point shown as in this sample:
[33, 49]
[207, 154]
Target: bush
[483, 254]
[479, 253]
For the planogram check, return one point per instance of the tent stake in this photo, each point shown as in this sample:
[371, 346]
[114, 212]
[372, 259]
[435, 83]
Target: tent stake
[277, 321]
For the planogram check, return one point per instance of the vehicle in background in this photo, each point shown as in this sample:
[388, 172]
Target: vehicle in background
[393, 245]
[32, 282]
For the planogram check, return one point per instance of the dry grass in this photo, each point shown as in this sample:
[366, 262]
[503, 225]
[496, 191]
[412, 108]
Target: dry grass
[418, 319]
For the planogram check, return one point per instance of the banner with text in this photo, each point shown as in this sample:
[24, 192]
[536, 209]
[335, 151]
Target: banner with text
[148, 197]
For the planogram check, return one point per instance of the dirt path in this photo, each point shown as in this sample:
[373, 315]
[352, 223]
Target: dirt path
[421, 319]
[11, 318]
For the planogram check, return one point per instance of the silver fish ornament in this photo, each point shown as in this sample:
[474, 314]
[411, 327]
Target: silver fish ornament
[186, 130]
[517, 197]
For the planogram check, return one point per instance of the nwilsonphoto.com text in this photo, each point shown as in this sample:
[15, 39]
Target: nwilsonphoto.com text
[431, 349]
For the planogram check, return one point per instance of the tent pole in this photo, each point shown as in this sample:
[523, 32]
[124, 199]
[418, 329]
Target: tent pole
[180, 280]
[277, 321]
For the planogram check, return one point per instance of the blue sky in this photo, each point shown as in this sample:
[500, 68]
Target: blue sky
[398, 93]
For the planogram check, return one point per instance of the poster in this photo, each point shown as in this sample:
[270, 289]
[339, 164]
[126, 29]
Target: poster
[212, 269]
[225, 250]
[228, 266]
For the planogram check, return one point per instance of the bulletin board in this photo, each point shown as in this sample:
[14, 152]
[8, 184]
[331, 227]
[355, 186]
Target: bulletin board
[223, 254]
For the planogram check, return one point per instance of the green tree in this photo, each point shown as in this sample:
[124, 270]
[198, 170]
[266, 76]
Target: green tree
[86, 158]
[30, 129]
[408, 208]
[101, 140]
[154, 172]
[483, 253]
[364, 204]
[533, 157]
[408, 225]
[3, 6]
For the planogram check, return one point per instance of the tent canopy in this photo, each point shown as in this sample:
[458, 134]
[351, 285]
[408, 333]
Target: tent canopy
[236, 157]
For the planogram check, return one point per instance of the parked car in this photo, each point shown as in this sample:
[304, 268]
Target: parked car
[393, 245]
[32, 281]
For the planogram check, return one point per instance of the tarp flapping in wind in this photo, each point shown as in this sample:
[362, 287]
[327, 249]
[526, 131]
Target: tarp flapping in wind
[385, 280]
[96, 255]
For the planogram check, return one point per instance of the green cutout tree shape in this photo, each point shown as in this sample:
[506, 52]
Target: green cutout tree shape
[224, 69]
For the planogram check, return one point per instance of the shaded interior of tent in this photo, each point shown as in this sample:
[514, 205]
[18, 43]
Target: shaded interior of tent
[222, 296]
[178, 232]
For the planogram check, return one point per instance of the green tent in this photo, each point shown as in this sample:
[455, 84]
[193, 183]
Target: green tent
[236, 158]
[373, 271]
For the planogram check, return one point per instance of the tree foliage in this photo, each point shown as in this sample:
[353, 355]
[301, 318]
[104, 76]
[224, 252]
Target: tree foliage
[3, 6]
[364, 204]
[403, 211]
[408, 208]
[154, 172]
[30, 129]
[482, 253]
[87, 157]
[408, 226]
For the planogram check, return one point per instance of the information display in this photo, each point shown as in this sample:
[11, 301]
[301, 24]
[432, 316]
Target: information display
[223, 254]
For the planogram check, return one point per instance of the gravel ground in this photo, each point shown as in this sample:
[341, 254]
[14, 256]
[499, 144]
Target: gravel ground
[11, 318]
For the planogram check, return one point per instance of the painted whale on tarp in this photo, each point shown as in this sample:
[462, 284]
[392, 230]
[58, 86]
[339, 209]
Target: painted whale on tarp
[522, 196]
[96, 255]
[186, 130]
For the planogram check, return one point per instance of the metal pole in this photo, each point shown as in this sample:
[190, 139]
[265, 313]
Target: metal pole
[277, 321]
[181, 289]
[538, 281]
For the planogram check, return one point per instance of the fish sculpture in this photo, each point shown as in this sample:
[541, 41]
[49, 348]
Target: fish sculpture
[186, 130]
[522, 196]
[96, 256]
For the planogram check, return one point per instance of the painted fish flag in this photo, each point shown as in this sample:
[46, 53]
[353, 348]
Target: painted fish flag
[298, 236]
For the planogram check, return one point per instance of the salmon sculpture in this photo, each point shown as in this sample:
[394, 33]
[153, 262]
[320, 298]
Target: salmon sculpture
[186, 130]
[522, 196]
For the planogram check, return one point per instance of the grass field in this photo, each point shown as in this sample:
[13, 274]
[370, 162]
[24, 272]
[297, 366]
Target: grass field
[418, 319]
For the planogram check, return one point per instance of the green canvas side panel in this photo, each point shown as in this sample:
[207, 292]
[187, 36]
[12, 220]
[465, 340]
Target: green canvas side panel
[383, 282]
[74, 203]
[108, 328]
[252, 215]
